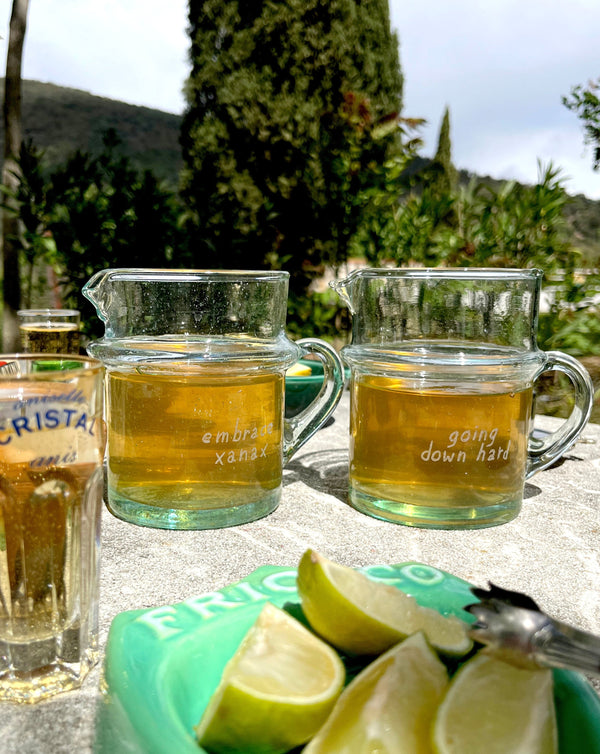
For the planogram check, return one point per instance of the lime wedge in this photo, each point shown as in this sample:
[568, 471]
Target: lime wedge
[495, 707]
[363, 617]
[389, 707]
[275, 692]
[298, 370]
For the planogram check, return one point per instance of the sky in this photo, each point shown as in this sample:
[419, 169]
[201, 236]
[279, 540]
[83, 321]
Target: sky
[501, 66]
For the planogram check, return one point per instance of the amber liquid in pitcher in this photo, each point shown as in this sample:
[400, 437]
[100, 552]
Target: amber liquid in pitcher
[194, 438]
[453, 447]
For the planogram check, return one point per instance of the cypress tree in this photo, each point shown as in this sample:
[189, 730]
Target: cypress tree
[286, 104]
[443, 175]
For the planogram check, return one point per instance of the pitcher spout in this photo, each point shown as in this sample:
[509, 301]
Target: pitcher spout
[95, 291]
[342, 289]
[346, 288]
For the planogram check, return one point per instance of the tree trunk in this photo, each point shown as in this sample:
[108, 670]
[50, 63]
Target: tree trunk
[10, 174]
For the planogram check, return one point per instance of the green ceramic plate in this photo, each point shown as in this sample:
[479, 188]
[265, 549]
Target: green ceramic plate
[163, 664]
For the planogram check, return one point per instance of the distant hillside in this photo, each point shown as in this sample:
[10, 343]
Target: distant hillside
[60, 120]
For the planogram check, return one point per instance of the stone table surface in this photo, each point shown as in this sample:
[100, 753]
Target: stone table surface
[551, 551]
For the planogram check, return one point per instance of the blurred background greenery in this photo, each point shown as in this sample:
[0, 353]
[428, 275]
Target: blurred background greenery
[293, 153]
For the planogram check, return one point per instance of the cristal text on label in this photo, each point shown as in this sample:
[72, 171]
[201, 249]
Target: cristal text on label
[46, 420]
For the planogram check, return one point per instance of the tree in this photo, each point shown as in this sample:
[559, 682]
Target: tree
[512, 226]
[102, 213]
[34, 246]
[289, 105]
[585, 102]
[93, 212]
[442, 176]
[10, 173]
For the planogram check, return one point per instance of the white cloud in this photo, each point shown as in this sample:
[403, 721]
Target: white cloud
[133, 50]
[502, 67]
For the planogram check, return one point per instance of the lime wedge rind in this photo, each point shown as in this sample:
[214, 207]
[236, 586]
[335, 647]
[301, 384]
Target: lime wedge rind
[360, 616]
[275, 692]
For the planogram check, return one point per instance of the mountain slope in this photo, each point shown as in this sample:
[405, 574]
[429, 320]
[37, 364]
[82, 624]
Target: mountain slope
[60, 120]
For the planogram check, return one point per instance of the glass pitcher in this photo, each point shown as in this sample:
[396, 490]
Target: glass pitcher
[195, 365]
[443, 364]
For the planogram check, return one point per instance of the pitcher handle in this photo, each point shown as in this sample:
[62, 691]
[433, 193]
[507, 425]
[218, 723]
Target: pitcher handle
[542, 453]
[301, 427]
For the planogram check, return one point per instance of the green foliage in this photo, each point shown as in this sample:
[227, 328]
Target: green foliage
[403, 226]
[96, 209]
[511, 226]
[516, 226]
[583, 226]
[508, 225]
[92, 213]
[318, 315]
[34, 244]
[377, 202]
[576, 331]
[285, 128]
[585, 102]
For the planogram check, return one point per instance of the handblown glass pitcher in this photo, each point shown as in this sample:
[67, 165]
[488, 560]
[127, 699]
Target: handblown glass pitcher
[195, 364]
[443, 365]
